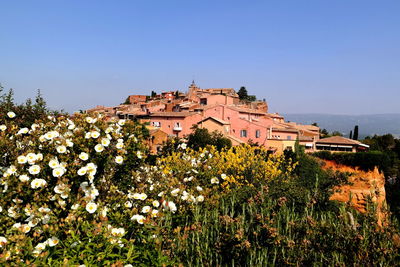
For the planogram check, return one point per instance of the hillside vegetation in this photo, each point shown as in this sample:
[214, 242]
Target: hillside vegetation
[82, 191]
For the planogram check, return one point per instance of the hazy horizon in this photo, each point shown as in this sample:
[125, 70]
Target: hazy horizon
[336, 57]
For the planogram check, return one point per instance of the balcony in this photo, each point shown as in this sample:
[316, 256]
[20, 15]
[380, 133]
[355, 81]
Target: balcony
[177, 128]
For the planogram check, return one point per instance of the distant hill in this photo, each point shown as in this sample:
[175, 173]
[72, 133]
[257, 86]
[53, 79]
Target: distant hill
[368, 124]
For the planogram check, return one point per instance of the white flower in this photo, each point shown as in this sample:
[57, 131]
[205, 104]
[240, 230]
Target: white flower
[121, 122]
[54, 164]
[117, 231]
[75, 207]
[139, 154]
[156, 204]
[82, 171]
[183, 146]
[41, 246]
[138, 218]
[105, 141]
[199, 188]
[36, 183]
[89, 120]
[154, 213]
[53, 241]
[94, 134]
[119, 159]
[23, 131]
[25, 228]
[34, 169]
[223, 176]
[214, 180]
[59, 188]
[31, 157]
[171, 205]
[83, 156]
[23, 178]
[175, 192]
[200, 198]
[142, 196]
[11, 114]
[119, 145]
[3, 127]
[22, 159]
[99, 148]
[39, 157]
[69, 143]
[109, 130]
[91, 207]
[3, 241]
[61, 149]
[146, 209]
[58, 172]
[104, 212]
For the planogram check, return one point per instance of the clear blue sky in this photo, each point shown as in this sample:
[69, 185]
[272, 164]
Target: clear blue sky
[339, 56]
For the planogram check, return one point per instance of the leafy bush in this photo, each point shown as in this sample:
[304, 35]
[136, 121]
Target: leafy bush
[79, 191]
[366, 161]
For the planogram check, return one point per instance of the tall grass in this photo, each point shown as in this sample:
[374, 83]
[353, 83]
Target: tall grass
[257, 230]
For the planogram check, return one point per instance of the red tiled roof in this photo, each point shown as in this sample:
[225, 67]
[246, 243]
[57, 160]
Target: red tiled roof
[338, 140]
[215, 119]
[247, 110]
[172, 114]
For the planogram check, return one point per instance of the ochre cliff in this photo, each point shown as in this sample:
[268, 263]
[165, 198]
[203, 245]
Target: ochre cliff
[363, 185]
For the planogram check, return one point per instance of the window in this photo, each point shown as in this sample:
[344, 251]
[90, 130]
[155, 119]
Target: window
[156, 124]
[289, 137]
[243, 133]
[258, 133]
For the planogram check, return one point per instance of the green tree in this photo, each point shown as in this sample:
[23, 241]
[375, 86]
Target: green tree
[243, 95]
[8, 100]
[201, 137]
[336, 133]
[153, 94]
[251, 98]
[351, 135]
[355, 135]
[40, 106]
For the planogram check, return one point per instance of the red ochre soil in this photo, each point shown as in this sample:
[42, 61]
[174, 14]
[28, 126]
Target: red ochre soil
[363, 185]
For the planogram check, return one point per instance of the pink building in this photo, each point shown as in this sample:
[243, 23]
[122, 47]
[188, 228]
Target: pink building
[217, 109]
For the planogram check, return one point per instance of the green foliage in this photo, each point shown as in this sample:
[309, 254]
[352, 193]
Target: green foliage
[366, 161]
[355, 134]
[236, 207]
[127, 101]
[243, 95]
[201, 137]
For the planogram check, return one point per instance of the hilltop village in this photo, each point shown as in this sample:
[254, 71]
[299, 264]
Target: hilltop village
[174, 114]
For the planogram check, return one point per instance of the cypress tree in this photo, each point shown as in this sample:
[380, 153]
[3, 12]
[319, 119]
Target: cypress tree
[351, 135]
[355, 135]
